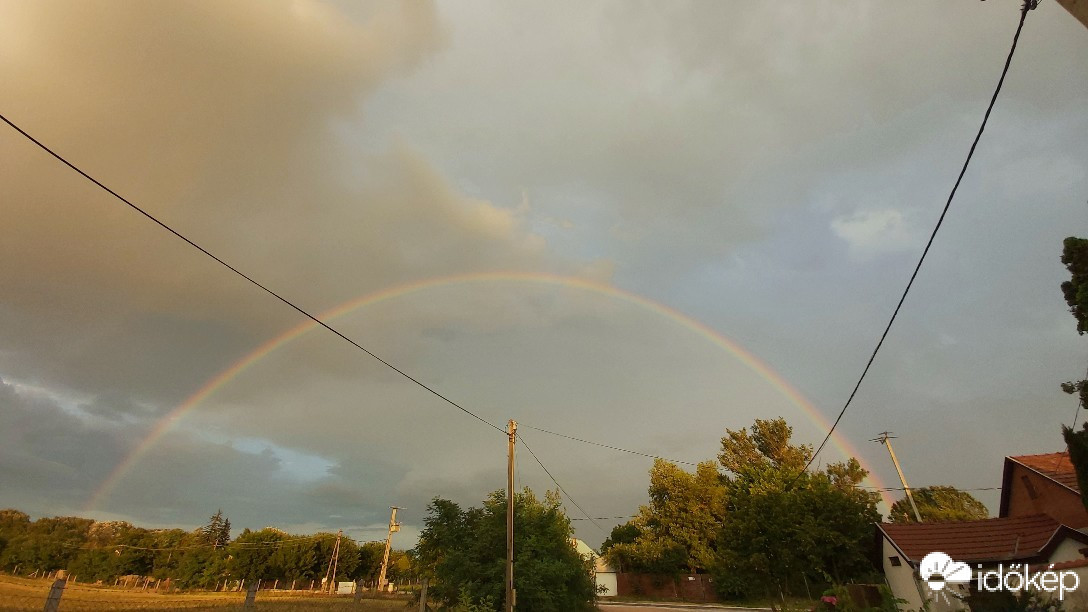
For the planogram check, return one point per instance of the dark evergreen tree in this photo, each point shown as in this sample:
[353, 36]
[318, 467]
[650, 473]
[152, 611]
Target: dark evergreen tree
[217, 531]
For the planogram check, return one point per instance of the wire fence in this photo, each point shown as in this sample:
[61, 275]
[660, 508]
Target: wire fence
[56, 595]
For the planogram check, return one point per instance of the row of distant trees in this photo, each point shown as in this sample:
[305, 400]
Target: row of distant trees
[201, 559]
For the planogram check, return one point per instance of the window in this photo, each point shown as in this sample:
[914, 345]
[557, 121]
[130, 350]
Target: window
[895, 561]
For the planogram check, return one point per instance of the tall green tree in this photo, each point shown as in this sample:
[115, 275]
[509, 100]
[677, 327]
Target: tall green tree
[939, 505]
[48, 544]
[1075, 291]
[217, 531]
[12, 523]
[784, 527]
[625, 533]
[250, 555]
[465, 552]
[676, 531]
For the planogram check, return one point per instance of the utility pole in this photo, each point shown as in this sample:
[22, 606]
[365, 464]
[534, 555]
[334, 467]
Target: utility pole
[885, 439]
[511, 431]
[394, 527]
[330, 574]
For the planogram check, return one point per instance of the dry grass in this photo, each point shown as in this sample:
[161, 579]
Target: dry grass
[30, 594]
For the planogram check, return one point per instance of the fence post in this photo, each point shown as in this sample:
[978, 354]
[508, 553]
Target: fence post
[251, 595]
[52, 603]
[423, 596]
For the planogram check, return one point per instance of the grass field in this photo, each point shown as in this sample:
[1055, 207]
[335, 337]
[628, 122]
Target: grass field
[31, 594]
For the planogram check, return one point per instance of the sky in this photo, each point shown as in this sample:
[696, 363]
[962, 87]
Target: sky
[634, 223]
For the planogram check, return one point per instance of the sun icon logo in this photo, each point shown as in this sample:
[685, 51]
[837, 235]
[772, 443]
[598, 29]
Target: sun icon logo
[938, 569]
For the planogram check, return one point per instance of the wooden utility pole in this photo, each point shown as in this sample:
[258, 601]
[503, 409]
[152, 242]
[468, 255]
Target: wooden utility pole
[330, 574]
[885, 439]
[423, 596]
[394, 527]
[511, 431]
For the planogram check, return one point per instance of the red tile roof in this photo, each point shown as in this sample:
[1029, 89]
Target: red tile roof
[1055, 466]
[1064, 565]
[1020, 537]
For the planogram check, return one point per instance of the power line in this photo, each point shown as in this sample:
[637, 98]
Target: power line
[561, 489]
[1028, 5]
[297, 308]
[235, 545]
[602, 445]
[925, 487]
[641, 454]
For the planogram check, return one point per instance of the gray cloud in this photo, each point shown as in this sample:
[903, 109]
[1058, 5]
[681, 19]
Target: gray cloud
[769, 171]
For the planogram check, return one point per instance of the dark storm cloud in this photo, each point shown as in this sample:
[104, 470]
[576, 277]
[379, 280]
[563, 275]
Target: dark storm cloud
[771, 172]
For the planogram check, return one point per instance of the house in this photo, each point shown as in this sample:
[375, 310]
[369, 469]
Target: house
[1041, 522]
[1047, 483]
[604, 575]
[1035, 539]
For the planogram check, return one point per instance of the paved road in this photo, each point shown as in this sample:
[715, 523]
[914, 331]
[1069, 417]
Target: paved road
[665, 607]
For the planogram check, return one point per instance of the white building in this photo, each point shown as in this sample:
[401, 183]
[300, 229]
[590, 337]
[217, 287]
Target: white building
[604, 575]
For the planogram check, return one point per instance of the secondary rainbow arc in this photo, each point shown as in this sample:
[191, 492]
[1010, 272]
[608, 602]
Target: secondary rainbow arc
[166, 422]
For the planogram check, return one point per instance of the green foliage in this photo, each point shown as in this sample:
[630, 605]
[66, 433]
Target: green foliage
[675, 532]
[465, 603]
[13, 523]
[1006, 601]
[939, 505]
[46, 544]
[464, 551]
[201, 559]
[626, 533]
[1077, 441]
[1075, 290]
[250, 556]
[217, 531]
[784, 527]
[761, 525]
[839, 599]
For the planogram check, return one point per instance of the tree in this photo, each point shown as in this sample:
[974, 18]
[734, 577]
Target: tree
[465, 552]
[217, 531]
[250, 555]
[785, 527]
[12, 523]
[48, 543]
[370, 561]
[676, 532]
[626, 533]
[1075, 291]
[939, 505]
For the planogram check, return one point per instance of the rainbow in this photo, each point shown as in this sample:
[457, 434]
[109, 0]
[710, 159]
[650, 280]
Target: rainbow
[215, 383]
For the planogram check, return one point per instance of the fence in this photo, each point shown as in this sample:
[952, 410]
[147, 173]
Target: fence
[690, 587]
[63, 595]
